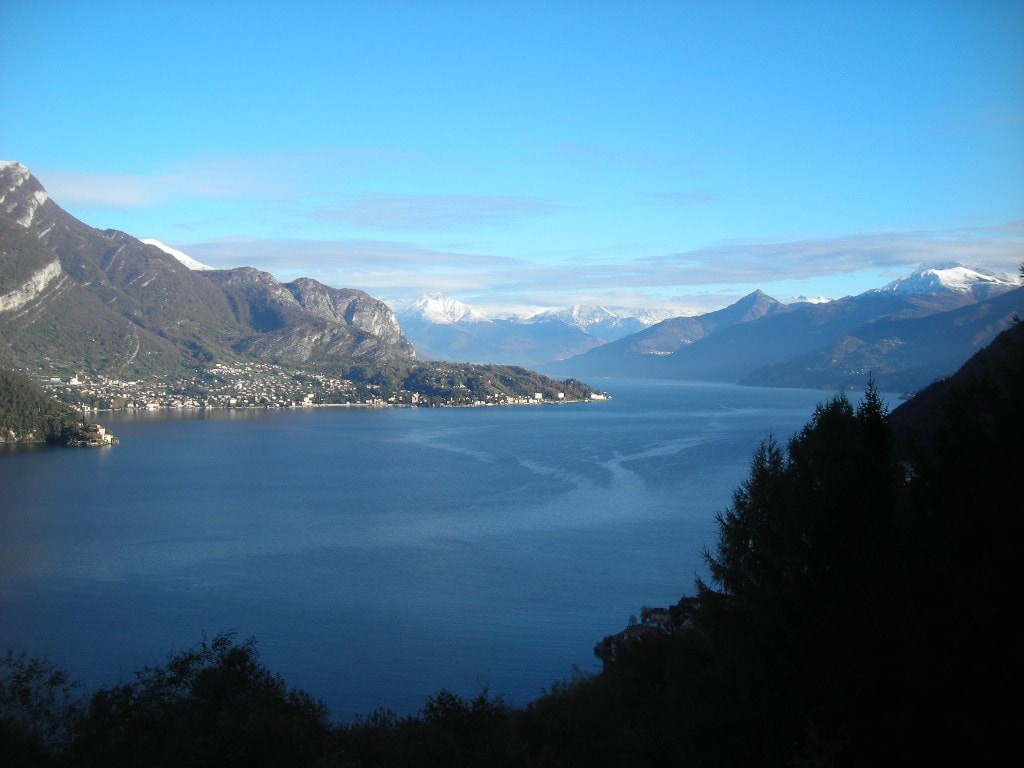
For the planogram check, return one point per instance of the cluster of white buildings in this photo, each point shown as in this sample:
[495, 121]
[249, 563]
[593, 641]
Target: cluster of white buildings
[262, 385]
[224, 386]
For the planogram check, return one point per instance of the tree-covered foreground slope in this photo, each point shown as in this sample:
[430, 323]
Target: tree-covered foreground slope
[861, 611]
[28, 414]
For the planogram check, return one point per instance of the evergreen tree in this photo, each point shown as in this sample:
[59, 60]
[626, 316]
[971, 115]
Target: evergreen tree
[804, 563]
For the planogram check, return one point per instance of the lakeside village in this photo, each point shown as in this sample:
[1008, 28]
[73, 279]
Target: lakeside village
[260, 385]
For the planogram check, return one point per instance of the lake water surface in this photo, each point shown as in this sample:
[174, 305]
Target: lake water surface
[377, 556]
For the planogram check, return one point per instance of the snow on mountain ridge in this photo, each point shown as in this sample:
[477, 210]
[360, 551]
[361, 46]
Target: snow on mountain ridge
[442, 310]
[20, 169]
[184, 258]
[947, 277]
[583, 316]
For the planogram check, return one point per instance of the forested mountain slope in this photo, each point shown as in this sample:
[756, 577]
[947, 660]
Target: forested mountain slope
[29, 415]
[77, 298]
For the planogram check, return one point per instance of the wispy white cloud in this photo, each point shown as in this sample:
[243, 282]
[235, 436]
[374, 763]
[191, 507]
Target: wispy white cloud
[270, 177]
[289, 191]
[101, 190]
[998, 249]
[193, 180]
[436, 212]
[759, 264]
[703, 278]
[312, 257]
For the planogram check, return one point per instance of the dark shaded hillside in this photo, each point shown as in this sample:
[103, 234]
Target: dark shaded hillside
[639, 353]
[733, 352]
[671, 335]
[904, 339]
[902, 354]
[986, 390]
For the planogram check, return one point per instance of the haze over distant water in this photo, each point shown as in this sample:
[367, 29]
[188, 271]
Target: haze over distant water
[377, 555]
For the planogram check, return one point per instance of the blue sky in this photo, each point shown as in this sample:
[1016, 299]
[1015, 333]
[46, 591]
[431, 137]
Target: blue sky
[534, 154]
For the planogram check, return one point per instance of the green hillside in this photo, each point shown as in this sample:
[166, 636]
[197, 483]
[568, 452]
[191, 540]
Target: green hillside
[29, 415]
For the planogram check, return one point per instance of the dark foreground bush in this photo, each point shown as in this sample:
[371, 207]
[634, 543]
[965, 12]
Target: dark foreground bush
[213, 705]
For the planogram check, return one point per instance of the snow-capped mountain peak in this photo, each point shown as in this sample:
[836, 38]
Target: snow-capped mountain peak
[585, 316]
[948, 277]
[577, 315]
[809, 300]
[22, 203]
[184, 258]
[442, 310]
[16, 169]
[607, 323]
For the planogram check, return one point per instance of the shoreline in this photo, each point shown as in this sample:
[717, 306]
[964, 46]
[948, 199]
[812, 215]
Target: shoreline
[304, 406]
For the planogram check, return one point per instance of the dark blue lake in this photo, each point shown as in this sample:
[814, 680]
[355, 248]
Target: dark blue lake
[377, 556]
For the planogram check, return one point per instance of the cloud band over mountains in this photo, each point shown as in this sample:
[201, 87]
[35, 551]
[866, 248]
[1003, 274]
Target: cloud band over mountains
[401, 245]
[436, 212]
[396, 267]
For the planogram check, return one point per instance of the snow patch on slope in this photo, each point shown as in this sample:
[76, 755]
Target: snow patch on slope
[184, 258]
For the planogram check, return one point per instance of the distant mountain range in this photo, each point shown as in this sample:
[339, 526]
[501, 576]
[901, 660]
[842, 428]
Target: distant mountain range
[75, 298]
[904, 335]
[442, 328]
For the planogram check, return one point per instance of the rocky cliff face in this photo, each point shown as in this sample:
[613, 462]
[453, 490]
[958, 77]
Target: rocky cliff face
[307, 321]
[21, 194]
[351, 307]
[73, 297]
